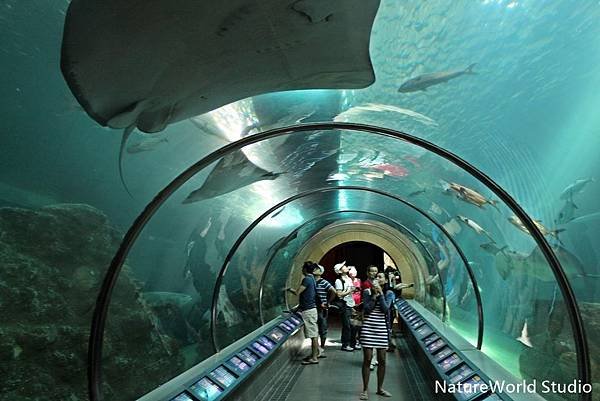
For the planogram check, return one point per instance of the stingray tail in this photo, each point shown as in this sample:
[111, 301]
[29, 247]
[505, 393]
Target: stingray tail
[469, 69]
[126, 133]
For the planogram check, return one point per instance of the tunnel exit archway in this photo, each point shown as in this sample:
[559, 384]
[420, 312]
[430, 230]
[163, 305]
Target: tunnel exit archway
[356, 253]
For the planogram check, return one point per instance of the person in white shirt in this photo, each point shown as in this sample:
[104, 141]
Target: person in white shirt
[344, 289]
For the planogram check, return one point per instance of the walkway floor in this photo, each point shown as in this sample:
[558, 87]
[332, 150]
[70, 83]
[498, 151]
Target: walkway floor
[338, 377]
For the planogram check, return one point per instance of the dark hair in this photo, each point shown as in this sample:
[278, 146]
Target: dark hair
[309, 266]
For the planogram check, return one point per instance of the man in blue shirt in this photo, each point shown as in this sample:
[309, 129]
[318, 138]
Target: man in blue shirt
[307, 305]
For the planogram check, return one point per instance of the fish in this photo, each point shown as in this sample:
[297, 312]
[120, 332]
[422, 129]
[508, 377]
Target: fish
[524, 338]
[392, 169]
[232, 172]
[337, 177]
[357, 113]
[281, 242]
[160, 298]
[422, 82]
[567, 212]
[277, 212]
[475, 227]
[418, 192]
[592, 217]
[208, 225]
[492, 248]
[470, 195]
[371, 175]
[146, 145]
[519, 224]
[575, 188]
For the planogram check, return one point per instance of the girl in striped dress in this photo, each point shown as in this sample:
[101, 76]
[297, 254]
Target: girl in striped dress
[374, 333]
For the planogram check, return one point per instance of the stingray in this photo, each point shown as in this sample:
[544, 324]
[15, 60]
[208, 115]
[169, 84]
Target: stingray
[232, 172]
[146, 65]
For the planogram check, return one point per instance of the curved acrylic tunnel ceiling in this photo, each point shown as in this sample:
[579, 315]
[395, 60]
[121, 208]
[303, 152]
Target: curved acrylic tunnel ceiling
[222, 335]
[333, 160]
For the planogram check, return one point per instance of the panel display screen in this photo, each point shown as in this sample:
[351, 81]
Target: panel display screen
[471, 387]
[266, 342]
[222, 376]
[430, 338]
[285, 326]
[424, 331]
[450, 362]
[239, 364]
[410, 314]
[182, 397]
[414, 317]
[276, 335]
[460, 374]
[260, 348]
[443, 353]
[248, 357]
[437, 344]
[417, 323]
[205, 389]
[295, 319]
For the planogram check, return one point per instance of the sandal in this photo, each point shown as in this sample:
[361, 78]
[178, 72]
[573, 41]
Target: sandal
[310, 362]
[364, 396]
[384, 393]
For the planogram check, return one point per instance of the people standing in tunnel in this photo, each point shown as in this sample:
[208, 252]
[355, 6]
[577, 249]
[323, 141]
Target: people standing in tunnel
[374, 331]
[307, 304]
[326, 294]
[357, 296]
[344, 289]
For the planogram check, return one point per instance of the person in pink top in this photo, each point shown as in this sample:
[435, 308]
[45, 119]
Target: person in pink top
[357, 296]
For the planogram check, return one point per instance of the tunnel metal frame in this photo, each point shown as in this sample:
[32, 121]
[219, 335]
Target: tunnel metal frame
[104, 295]
[332, 212]
[248, 230]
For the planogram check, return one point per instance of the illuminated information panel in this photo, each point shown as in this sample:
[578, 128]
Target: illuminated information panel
[286, 327]
[248, 357]
[260, 348]
[437, 344]
[205, 389]
[450, 362]
[471, 387]
[443, 353]
[222, 376]
[266, 342]
[238, 365]
[276, 335]
[460, 374]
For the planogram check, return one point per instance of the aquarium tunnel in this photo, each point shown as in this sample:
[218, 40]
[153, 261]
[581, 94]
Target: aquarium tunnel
[168, 170]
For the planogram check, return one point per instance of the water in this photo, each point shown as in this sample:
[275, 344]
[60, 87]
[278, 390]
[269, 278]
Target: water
[528, 119]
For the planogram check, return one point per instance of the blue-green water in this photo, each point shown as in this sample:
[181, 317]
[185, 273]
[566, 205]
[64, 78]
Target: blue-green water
[528, 119]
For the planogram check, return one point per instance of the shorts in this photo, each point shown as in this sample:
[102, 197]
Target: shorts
[311, 329]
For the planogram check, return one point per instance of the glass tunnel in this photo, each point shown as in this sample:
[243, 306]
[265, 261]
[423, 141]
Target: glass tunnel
[134, 258]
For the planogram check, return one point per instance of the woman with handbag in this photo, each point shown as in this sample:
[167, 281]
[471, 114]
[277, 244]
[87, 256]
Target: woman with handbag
[374, 334]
